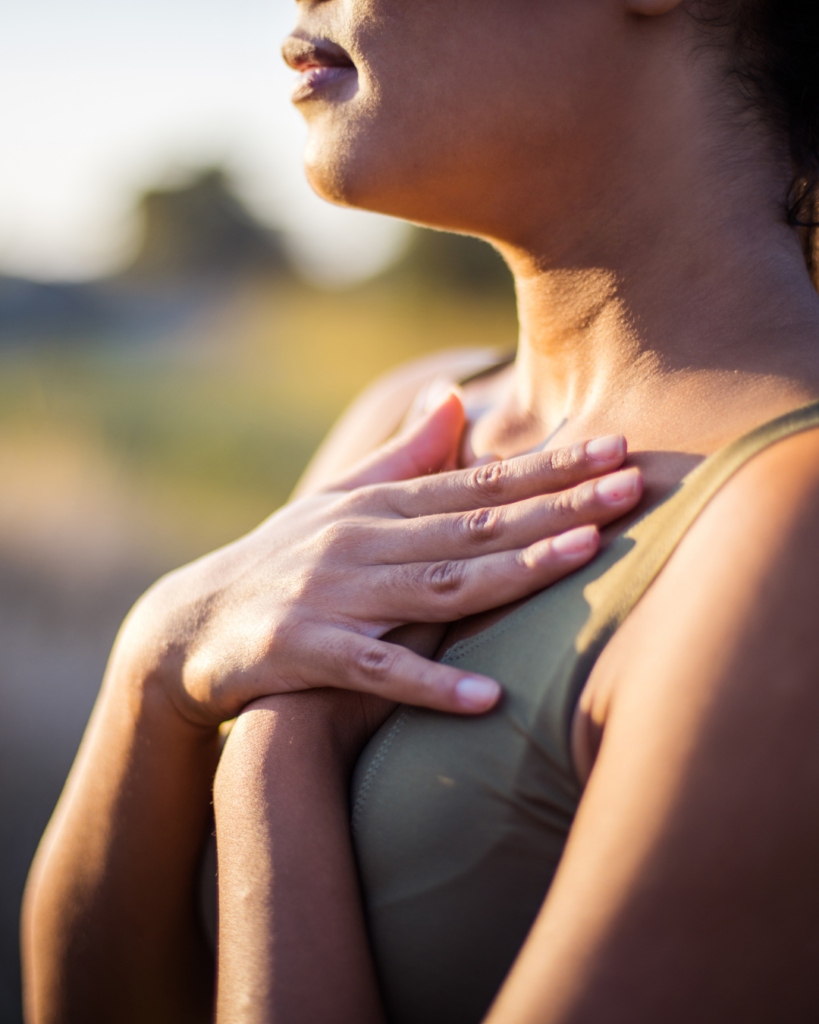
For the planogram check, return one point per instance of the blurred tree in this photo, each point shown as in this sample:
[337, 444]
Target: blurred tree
[202, 230]
[443, 261]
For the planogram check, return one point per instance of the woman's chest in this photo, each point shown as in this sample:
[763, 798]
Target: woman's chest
[459, 824]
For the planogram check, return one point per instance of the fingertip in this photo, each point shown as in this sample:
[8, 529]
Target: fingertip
[477, 695]
[445, 416]
[578, 543]
[441, 392]
[621, 488]
[433, 442]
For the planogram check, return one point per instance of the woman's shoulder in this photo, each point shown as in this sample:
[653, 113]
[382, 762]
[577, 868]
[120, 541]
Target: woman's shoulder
[732, 616]
[375, 415]
[763, 520]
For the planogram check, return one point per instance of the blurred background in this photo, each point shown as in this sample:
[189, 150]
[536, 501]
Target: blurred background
[181, 320]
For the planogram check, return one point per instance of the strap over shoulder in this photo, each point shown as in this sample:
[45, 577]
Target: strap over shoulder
[638, 555]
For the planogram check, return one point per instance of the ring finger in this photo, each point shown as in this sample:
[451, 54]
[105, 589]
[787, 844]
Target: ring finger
[502, 528]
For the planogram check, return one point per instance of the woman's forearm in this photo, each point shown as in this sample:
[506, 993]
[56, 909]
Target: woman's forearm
[111, 928]
[292, 940]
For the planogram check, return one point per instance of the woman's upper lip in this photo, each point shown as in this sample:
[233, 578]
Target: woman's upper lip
[303, 54]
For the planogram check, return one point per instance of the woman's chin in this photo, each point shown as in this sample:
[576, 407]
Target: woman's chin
[360, 192]
[328, 181]
[340, 174]
[368, 171]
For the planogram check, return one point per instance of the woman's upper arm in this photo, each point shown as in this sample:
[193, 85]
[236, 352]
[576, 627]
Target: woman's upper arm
[379, 410]
[689, 889]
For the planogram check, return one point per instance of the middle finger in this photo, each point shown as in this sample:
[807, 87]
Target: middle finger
[487, 530]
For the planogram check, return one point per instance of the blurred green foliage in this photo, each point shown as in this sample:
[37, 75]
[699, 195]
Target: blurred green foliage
[133, 438]
[201, 229]
[202, 431]
[209, 433]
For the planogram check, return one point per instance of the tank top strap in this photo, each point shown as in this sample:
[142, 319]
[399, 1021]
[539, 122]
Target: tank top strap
[487, 371]
[642, 551]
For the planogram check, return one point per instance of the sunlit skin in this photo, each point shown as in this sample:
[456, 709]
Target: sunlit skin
[660, 294]
[600, 146]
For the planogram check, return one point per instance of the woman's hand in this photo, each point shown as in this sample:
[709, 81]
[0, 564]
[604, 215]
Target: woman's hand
[303, 601]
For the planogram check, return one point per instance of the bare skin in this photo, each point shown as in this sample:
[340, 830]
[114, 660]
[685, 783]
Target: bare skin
[111, 922]
[662, 296]
[675, 305]
[698, 898]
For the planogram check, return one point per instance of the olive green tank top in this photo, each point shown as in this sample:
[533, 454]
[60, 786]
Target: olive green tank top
[459, 823]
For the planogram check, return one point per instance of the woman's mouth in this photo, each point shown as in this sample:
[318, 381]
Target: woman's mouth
[321, 64]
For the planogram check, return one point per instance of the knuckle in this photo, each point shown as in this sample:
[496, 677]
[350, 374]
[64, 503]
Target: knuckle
[445, 578]
[285, 635]
[566, 503]
[560, 459]
[358, 501]
[332, 534]
[522, 561]
[391, 498]
[478, 526]
[340, 533]
[375, 663]
[489, 481]
[369, 497]
[349, 502]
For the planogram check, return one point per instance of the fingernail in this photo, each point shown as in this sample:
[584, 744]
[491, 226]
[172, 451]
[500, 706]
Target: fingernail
[606, 449]
[575, 542]
[618, 487]
[477, 694]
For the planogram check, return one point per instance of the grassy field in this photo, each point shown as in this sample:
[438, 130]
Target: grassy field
[195, 441]
[119, 462]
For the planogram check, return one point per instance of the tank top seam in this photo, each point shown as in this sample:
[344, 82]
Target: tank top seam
[460, 650]
[498, 364]
[653, 560]
[375, 764]
[517, 792]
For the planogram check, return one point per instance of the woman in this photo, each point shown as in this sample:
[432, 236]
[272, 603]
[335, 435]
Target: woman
[630, 833]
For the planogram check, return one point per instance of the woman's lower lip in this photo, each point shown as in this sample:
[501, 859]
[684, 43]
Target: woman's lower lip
[316, 79]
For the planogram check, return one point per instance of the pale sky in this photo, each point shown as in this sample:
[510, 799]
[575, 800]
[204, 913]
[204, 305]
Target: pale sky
[99, 98]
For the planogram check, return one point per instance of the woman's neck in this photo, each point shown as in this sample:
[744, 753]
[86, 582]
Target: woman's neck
[660, 291]
[675, 343]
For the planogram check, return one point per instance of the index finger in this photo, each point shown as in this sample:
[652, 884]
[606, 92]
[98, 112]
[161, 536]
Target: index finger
[504, 482]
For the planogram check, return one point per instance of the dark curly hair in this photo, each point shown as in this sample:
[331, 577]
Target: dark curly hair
[775, 59]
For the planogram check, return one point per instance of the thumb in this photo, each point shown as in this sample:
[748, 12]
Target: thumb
[428, 446]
